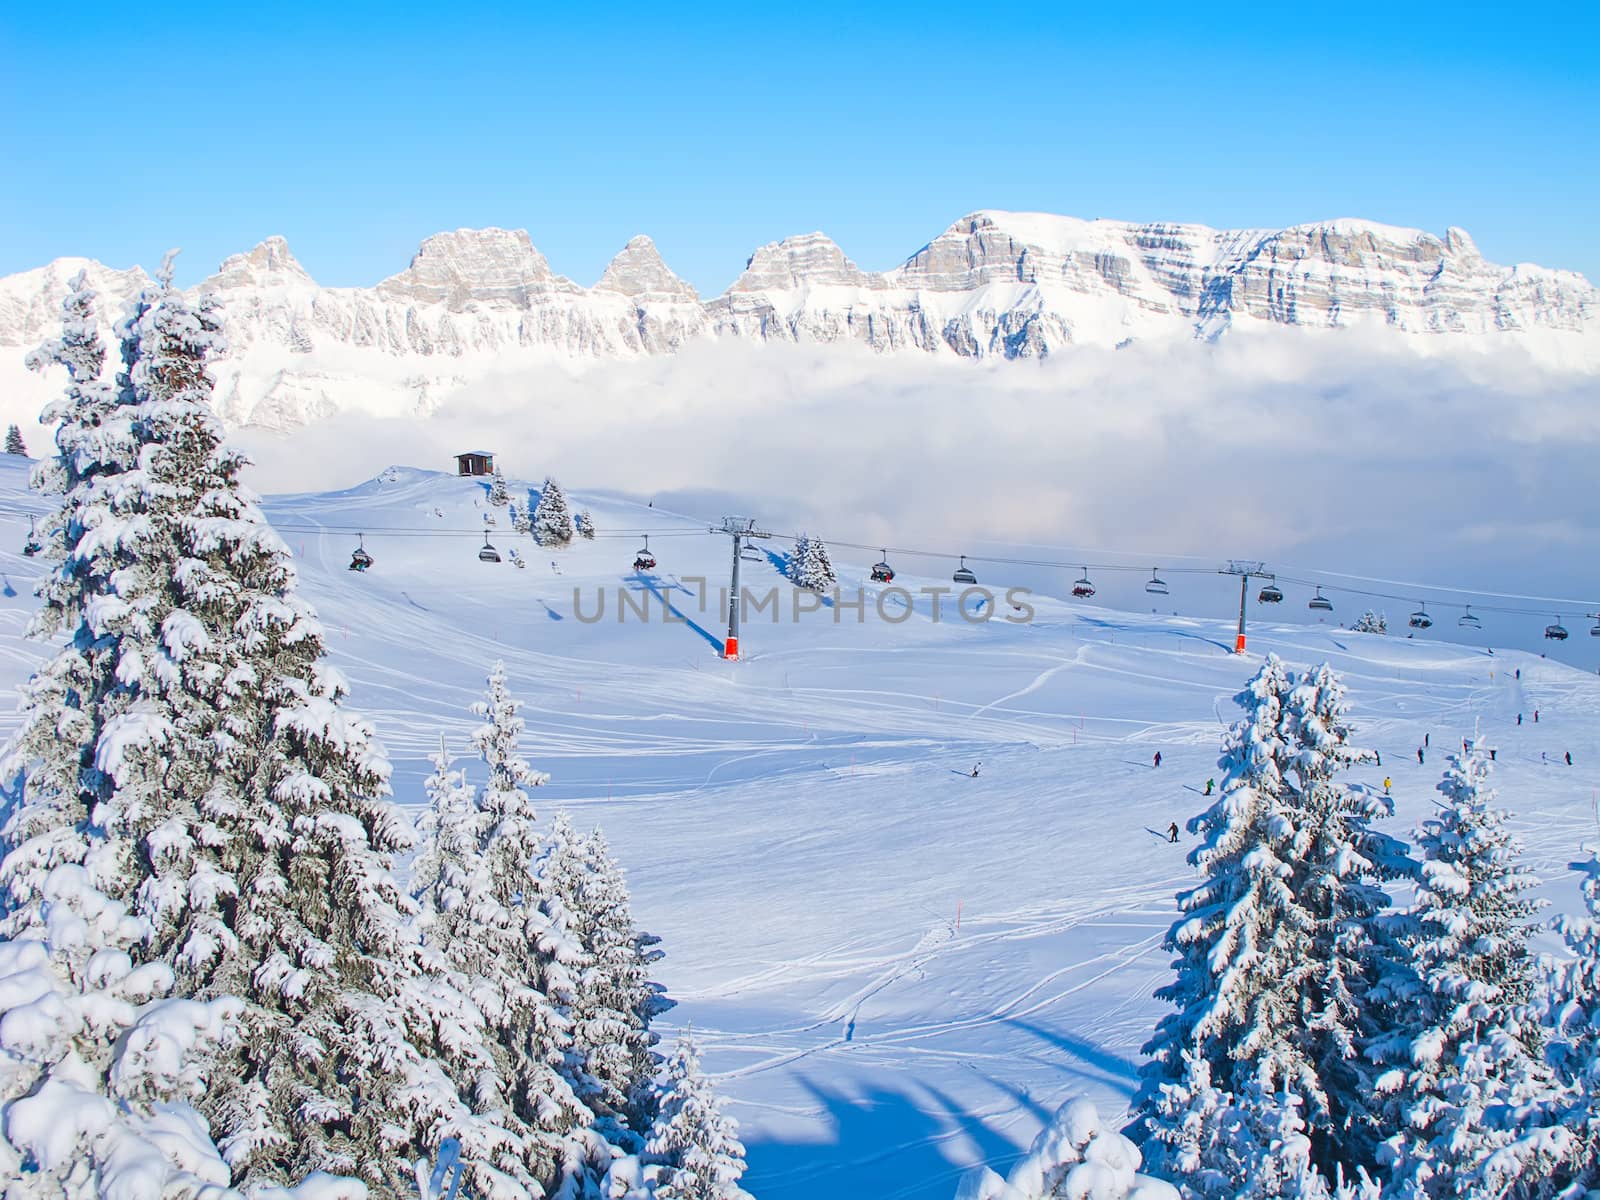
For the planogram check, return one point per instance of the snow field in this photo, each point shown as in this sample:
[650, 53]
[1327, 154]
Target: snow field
[800, 828]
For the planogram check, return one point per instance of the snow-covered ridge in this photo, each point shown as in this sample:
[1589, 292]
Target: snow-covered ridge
[993, 285]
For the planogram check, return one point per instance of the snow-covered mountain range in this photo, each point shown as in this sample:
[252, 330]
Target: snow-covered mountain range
[994, 285]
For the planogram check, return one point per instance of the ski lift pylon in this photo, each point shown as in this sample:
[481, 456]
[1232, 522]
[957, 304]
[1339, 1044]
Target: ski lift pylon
[964, 573]
[1156, 586]
[882, 572]
[1083, 589]
[360, 560]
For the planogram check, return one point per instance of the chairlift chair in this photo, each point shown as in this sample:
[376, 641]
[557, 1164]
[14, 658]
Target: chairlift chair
[1320, 602]
[1420, 619]
[1595, 630]
[488, 553]
[1556, 632]
[31, 546]
[1156, 587]
[882, 572]
[644, 560]
[360, 560]
[1468, 621]
[963, 573]
[1083, 589]
[1271, 594]
[750, 552]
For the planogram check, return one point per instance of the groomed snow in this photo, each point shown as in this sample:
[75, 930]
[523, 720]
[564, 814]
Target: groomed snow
[896, 970]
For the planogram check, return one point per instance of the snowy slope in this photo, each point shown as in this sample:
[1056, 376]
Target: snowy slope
[801, 829]
[994, 285]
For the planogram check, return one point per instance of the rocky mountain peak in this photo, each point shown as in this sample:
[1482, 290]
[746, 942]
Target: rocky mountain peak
[639, 272]
[270, 264]
[494, 267]
[797, 262]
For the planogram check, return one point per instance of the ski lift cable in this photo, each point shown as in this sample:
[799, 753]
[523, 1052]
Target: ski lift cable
[1414, 589]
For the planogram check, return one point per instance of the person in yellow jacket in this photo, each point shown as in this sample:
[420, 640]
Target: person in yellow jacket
[1387, 784]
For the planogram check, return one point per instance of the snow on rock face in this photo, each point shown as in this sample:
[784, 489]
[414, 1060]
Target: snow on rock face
[992, 285]
[639, 273]
[270, 264]
[492, 267]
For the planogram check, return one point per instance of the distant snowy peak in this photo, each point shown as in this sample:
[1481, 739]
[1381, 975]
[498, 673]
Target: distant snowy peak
[270, 264]
[493, 267]
[994, 284]
[809, 260]
[639, 273]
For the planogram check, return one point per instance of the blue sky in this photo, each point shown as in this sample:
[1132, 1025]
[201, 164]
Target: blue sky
[356, 129]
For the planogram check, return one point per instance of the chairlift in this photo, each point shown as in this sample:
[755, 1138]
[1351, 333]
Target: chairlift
[1083, 589]
[882, 572]
[1420, 619]
[750, 552]
[31, 546]
[1468, 621]
[1156, 586]
[1271, 594]
[1320, 602]
[1556, 632]
[360, 560]
[488, 553]
[644, 560]
[963, 573]
[1595, 631]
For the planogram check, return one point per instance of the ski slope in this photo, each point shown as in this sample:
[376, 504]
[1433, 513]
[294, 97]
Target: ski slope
[896, 969]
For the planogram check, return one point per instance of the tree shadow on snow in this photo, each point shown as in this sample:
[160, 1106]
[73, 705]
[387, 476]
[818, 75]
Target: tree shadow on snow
[1112, 1070]
[912, 1144]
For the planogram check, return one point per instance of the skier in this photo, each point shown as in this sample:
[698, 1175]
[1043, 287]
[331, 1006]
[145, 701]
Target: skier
[1426, 740]
[1569, 758]
[1519, 718]
[1419, 756]
[1210, 784]
[1536, 716]
[1387, 784]
[1377, 757]
[1172, 832]
[1158, 758]
[975, 767]
[1519, 672]
[1492, 753]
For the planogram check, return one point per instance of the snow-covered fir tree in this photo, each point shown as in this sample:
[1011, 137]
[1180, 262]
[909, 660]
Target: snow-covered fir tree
[521, 522]
[100, 1059]
[1469, 1086]
[694, 1144]
[1574, 1001]
[552, 519]
[615, 999]
[14, 442]
[239, 812]
[1371, 622]
[499, 494]
[586, 524]
[809, 565]
[523, 956]
[1280, 946]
